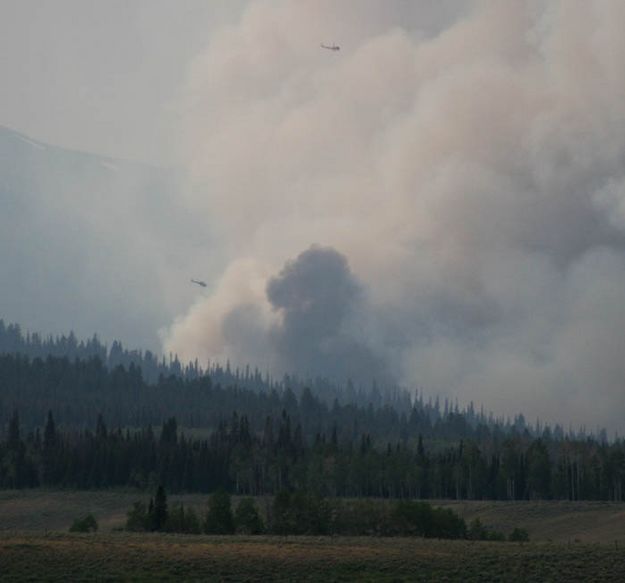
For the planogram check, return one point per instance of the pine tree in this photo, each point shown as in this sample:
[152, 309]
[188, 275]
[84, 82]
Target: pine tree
[100, 430]
[49, 434]
[14, 430]
[48, 455]
[159, 511]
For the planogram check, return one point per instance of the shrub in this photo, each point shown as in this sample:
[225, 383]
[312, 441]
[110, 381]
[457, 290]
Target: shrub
[304, 513]
[282, 521]
[447, 524]
[137, 519]
[192, 522]
[219, 519]
[247, 518]
[496, 536]
[477, 531]
[311, 514]
[414, 518]
[182, 520]
[361, 517]
[85, 524]
[519, 535]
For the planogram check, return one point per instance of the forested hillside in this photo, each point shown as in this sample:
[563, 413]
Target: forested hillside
[78, 391]
[280, 457]
[13, 340]
[192, 407]
[78, 424]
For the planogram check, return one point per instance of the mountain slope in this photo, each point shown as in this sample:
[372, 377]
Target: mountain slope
[90, 242]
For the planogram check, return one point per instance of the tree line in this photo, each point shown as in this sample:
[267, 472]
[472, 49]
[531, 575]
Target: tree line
[280, 457]
[80, 390]
[13, 340]
[302, 513]
[146, 368]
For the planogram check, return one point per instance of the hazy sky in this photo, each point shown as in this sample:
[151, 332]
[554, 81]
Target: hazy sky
[444, 197]
[106, 76]
[102, 76]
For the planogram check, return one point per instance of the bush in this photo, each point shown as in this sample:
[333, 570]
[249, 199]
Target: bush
[303, 513]
[247, 518]
[414, 518]
[447, 524]
[362, 517]
[192, 522]
[219, 519]
[137, 519]
[519, 535]
[182, 520]
[477, 531]
[311, 514]
[85, 524]
[282, 521]
[496, 536]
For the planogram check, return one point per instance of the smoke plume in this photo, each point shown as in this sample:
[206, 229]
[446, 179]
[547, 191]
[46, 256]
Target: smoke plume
[472, 175]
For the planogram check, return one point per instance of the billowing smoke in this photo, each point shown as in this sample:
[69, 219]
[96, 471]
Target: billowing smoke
[320, 305]
[473, 177]
[311, 319]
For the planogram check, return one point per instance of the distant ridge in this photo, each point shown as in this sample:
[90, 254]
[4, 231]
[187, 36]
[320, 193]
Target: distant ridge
[154, 369]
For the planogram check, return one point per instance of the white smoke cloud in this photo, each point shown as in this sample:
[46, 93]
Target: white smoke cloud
[473, 179]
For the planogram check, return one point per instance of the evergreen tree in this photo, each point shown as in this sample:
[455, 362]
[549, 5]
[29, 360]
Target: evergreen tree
[49, 464]
[14, 430]
[538, 470]
[49, 434]
[100, 430]
[159, 510]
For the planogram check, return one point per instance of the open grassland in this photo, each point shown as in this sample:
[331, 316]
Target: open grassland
[562, 521]
[588, 522]
[121, 556]
[40, 510]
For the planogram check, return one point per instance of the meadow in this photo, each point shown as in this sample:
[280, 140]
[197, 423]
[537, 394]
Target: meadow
[571, 541]
[546, 521]
[153, 557]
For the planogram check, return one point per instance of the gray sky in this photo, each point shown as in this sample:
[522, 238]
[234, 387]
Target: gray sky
[101, 76]
[461, 162]
[105, 76]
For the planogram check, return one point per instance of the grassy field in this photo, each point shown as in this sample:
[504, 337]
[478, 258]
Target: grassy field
[122, 556]
[571, 542]
[559, 521]
[588, 522]
[39, 510]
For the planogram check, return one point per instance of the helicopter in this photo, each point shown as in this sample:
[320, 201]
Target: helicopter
[331, 47]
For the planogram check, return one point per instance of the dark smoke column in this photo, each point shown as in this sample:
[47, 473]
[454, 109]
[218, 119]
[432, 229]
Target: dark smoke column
[320, 300]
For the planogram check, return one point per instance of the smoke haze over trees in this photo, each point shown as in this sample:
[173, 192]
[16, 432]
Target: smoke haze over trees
[255, 436]
[473, 180]
[451, 181]
[281, 458]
